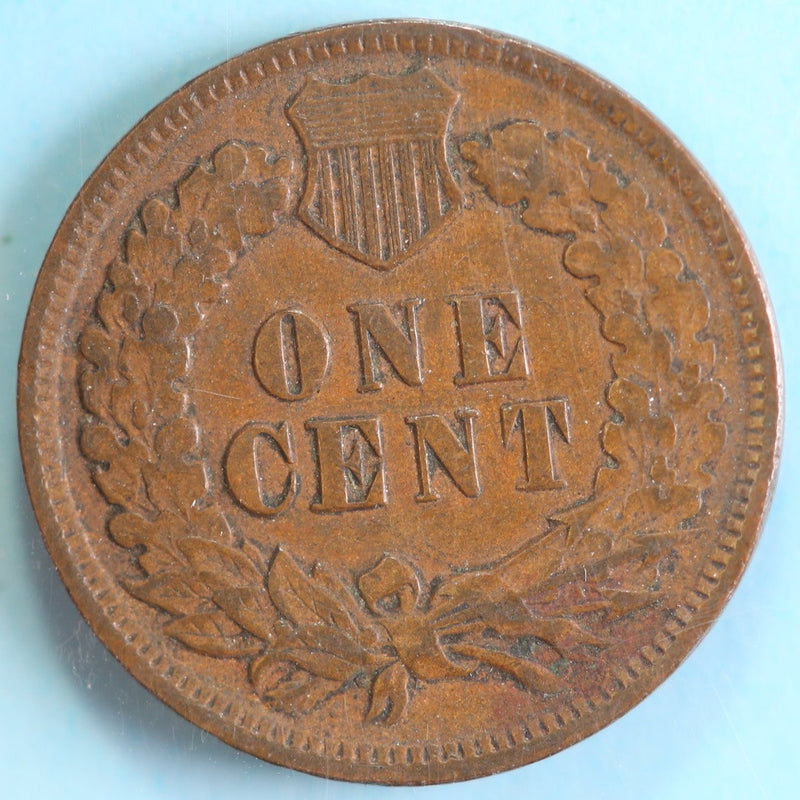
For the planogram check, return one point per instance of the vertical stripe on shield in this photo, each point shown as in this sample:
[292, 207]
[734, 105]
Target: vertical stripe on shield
[380, 198]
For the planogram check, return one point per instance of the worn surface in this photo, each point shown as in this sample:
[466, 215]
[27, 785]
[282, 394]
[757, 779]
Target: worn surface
[417, 399]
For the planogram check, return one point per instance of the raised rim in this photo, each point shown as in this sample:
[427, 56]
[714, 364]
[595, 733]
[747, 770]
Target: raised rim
[678, 165]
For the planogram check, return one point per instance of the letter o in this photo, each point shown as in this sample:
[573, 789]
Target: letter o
[291, 355]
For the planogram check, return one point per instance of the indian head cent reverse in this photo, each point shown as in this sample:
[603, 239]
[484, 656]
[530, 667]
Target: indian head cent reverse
[399, 402]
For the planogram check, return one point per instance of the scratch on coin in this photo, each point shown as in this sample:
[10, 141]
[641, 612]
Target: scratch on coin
[217, 394]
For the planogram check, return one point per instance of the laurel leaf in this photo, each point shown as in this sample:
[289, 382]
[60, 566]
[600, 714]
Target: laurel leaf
[109, 309]
[644, 354]
[507, 166]
[119, 471]
[130, 530]
[507, 615]
[324, 665]
[531, 675]
[660, 508]
[627, 212]
[98, 347]
[178, 592]
[563, 634]
[586, 259]
[162, 246]
[536, 562]
[286, 687]
[326, 580]
[221, 566]
[193, 291]
[211, 523]
[158, 559]
[175, 486]
[229, 162]
[630, 399]
[554, 217]
[249, 608]
[302, 600]
[621, 602]
[213, 634]
[95, 391]
[332, 640]
[389, 695]
[268, 671]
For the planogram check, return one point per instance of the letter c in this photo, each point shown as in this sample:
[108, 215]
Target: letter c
[257, 450]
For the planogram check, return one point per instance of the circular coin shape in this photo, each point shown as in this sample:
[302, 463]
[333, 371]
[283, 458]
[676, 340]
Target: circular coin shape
[399, 402]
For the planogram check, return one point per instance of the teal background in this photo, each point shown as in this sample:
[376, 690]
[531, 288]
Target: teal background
[76, 76]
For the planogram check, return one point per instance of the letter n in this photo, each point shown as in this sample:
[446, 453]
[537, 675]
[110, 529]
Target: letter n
[383, 337]
[440, 447]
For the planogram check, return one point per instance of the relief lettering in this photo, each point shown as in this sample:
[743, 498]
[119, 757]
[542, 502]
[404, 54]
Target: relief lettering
[490, 337]
[260, 457]
[350, 462]
[380, 333]
[536, 423]
[440, 447]
[291, 355]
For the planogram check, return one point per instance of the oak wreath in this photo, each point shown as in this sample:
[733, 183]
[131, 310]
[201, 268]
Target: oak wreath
[306, 634]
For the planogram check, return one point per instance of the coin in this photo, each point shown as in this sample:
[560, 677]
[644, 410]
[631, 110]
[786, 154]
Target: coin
[399, 402]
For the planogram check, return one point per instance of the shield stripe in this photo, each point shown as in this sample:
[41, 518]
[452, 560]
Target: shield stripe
[336, 166]
[322, 201]
[371, 227]
[358, 198]
[379, 209]
[329, 192]
[439, 158]
[406, 236]
[418, 170]
[442, 202]
[430, 183]
[345, 194]
[396, 199]
[411, 204]
[385, 197]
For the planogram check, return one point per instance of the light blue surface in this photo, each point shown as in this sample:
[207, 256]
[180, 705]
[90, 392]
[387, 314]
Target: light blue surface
[76, 76]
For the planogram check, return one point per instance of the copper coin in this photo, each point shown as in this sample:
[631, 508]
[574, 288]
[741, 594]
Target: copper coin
[399, 402]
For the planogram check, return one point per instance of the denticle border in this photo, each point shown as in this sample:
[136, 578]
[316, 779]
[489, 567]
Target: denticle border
[55, 295]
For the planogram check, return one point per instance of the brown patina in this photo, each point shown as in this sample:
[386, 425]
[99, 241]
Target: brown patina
[399, 402]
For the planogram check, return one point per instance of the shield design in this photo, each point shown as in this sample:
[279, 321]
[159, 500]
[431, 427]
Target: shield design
[378, 180]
